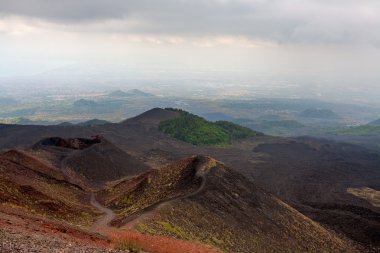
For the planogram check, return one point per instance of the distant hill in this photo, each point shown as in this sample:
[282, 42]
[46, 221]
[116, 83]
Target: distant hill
[272, 127]
[196, 130]
[129, 93]
[319, 114]
[94, 122]
[24, 121]
[215, 116]
[365, 130]
[66, 123]
[153, 117]
[7, 101]
[19, 121]
[374, 123]
[84, 103]
[96, 107]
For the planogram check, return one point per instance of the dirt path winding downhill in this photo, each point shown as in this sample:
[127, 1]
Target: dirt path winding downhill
[134, 219]
[102, 225]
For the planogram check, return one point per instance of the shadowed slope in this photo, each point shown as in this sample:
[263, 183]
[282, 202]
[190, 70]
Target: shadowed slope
[103, 162]
[153, 116]
[97, 159]
[314, 176]
[199, 199]
[30, 185]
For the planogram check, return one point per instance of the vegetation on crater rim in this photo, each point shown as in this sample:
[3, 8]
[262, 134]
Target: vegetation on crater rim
[198, 131]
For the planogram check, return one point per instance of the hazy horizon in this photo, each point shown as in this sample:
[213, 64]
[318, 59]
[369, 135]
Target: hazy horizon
[327, 50]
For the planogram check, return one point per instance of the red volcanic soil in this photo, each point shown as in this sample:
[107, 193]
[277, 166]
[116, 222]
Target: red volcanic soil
[14, 220]
[161, 244]
[27, 228]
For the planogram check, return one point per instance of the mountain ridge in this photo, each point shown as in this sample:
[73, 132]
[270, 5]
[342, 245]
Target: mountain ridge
[292, 169]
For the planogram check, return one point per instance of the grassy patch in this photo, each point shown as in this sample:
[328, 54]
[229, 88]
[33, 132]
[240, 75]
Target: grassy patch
[176, 231]
[168, 182]
[198, 131]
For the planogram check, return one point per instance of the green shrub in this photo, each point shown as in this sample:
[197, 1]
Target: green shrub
[196, 130]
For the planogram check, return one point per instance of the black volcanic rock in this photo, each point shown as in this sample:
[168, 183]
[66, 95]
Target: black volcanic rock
[200, 199]
[103, 162]
[71, 143]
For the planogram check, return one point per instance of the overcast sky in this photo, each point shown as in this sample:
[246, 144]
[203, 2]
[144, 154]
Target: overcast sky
[320, 38]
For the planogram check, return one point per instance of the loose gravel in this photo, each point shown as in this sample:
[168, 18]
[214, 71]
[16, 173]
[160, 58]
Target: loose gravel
[41, 243]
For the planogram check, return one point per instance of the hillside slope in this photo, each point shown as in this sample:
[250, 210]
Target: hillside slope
[316, 176]
[153, 116]
[42, 211]
[200, 199]
[97, 159]
[29, 185]
[319, 178]
[193, 129]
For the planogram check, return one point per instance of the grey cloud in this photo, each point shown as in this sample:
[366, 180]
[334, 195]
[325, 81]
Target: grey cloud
[64, 11]
[334, 21]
